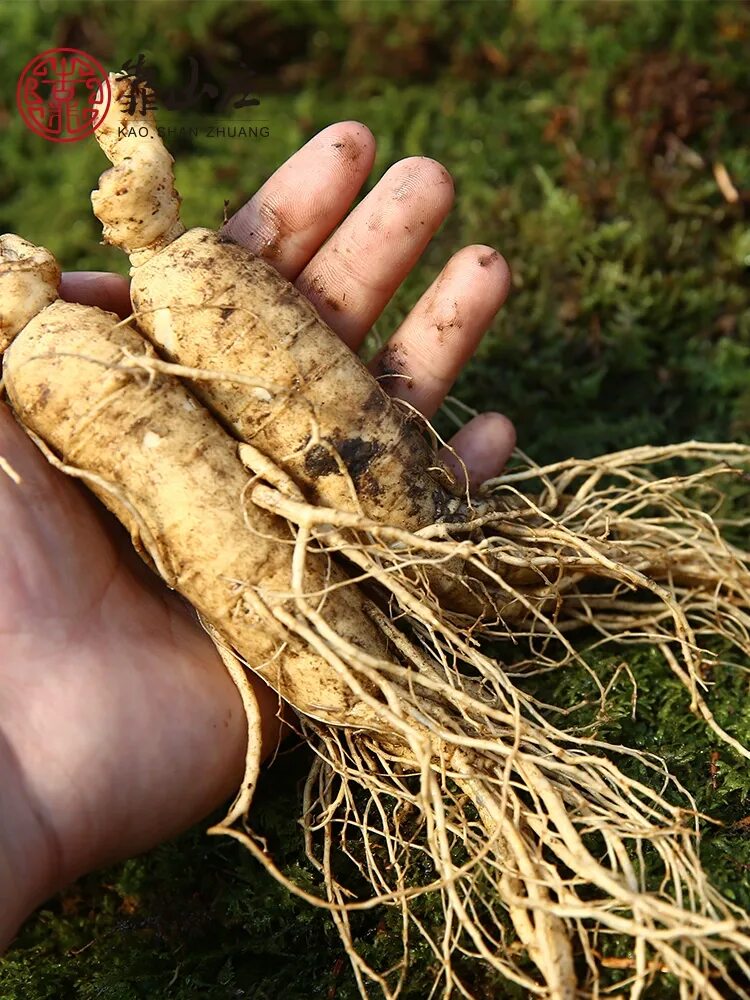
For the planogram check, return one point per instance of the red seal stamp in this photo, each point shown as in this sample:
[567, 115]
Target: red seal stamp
[63, 94]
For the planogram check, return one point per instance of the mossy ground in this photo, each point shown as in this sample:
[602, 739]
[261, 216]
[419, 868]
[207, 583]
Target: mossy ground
[582, 137]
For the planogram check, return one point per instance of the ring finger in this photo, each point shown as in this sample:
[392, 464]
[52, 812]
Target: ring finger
[423, 358]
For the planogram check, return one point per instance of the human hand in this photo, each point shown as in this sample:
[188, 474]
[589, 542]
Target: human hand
[111, 693]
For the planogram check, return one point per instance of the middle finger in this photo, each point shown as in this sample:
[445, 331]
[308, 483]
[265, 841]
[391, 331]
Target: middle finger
[351, 279]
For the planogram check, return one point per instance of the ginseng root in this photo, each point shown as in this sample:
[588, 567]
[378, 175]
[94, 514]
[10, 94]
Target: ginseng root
[90, 391]
[235, 324]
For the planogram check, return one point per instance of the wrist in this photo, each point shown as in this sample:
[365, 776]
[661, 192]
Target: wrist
[28, 870]
[75, 796]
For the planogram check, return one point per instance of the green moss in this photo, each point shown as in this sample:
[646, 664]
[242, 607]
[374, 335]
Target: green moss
[581, 137]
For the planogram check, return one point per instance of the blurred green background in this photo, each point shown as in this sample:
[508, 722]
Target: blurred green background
[585, 140]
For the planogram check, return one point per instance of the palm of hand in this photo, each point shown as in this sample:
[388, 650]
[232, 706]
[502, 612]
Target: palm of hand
[111, 693]
[118, 723]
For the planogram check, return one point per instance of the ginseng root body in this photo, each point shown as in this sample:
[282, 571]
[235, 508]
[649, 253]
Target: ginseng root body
[82, 382]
